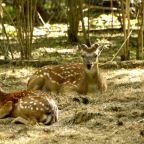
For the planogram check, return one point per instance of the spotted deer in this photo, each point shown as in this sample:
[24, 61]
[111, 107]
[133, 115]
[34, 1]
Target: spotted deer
[77, 77]
[28, 106]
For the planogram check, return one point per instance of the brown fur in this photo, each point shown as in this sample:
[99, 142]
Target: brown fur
[76, 77]
[29, 105]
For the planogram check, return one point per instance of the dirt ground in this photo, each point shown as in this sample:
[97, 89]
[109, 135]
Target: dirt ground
[112, 117]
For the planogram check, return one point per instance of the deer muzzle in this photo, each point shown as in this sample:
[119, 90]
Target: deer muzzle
[89, 66]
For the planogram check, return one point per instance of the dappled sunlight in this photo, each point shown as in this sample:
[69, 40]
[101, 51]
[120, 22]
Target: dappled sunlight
[47, 33]
[11, 30]
[54, 50]
[126, 75]
[55, 54]
[15, 78]
[103, 115]
[16, 72]
[51, 30]
[136, 72]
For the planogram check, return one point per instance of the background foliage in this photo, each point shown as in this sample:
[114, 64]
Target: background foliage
[32, 29]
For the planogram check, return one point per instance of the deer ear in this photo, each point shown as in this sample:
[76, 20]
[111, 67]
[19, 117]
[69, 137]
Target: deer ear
[83, 46]
[96, 45]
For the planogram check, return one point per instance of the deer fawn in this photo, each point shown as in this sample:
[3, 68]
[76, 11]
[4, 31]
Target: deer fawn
[28, 106]
[75, 76]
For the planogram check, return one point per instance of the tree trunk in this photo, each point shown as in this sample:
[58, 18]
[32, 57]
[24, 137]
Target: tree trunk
[139, 52]
[73, 20]
[85, 34]
[6, 44]
[25, 15]
[126, 28]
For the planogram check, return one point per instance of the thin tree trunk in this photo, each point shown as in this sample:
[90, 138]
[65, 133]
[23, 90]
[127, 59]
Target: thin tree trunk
[86, 38]
[126, 28]
[73, 20]
[139, 53]
[7, 47]
[25, 10]
[112, 13]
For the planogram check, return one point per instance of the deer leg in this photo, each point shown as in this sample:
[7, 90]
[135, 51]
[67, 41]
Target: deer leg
[24, 121]
[20, 120]
[83, 86]
[6, 109]
[101, 83]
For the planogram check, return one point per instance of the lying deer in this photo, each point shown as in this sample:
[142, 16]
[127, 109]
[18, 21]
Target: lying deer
[28, 106]
[76, 76]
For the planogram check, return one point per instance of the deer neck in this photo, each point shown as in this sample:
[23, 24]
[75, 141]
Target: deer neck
[96, 68]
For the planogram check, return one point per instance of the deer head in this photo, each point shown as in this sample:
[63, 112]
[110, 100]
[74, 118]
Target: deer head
[90, 54]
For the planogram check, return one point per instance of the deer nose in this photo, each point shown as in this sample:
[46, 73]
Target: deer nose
[89, 66]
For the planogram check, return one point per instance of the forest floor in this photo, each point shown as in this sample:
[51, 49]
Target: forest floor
[112, 117]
